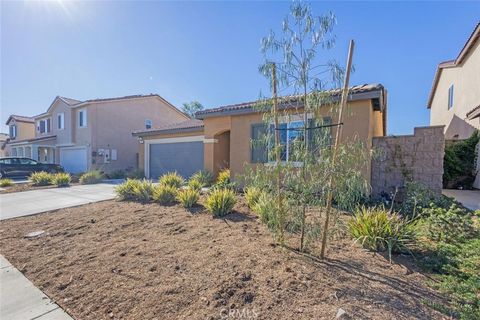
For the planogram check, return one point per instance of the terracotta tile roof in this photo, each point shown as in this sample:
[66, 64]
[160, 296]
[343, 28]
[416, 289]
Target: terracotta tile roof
[249, 105]
[189, 125]
[474, 113]
[469, 44]
[20, 118]
[113, 99]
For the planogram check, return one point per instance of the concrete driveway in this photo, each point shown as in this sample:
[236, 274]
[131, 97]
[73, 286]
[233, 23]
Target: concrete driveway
[469, 198]
[25, 203]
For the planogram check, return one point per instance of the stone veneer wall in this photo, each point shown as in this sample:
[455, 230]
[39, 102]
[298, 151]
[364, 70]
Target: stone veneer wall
[417, 157]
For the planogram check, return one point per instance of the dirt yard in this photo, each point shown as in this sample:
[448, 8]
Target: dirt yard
[114, 260]
[20, 187]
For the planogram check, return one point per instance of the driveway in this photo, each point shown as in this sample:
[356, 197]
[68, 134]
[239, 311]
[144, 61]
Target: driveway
[469, 198]
[26, 203]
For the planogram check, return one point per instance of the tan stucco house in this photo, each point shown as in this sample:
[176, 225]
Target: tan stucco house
[455, 93]
[221, 137]
[91, 134]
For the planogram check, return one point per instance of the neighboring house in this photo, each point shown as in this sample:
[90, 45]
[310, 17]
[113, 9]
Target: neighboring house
[221, 137]
[455, 93]
[3, 142]
[20, 128]
[91, 134]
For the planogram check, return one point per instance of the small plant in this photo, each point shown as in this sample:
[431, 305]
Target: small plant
[91, 177]
[135, 190]
[194, 184]
[188, 197]
[164, 194]
[251, 196]
[204, 177]
[220, 202]
[6, 182]
[223, 178]
[116, 174]
[265, 208]
[62, 179]
[41, 178]
[136, 174]
[378, 230]
[172, 179]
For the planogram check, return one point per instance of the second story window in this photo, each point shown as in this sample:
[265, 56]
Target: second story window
[60, 121]
[13, 131]
[148, 124]
[44, 126]
[82, 118]
[450, 97]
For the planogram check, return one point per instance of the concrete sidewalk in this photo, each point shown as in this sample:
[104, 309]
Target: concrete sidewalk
[20, 299]
[25, 203]
[469, 198]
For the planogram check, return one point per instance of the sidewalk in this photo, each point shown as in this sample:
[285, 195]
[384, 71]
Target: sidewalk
[469, 198]
[20, 299]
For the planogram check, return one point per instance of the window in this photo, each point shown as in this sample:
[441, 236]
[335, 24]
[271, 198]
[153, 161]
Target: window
[7, 161]
[44, 126]
[13, 131]
[28, 161]
[148, 124]
[82, 118]
[450, 97]
[60, 121]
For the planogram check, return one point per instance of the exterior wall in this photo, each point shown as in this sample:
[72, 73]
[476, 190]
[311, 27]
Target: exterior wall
[25, 130]
[64, 136]
[111, 125]
[417, 157]
[465, 79]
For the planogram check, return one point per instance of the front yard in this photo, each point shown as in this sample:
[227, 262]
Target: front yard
[125, 260]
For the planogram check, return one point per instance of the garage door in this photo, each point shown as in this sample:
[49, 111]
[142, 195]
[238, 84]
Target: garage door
[185, 158]
[74, 160]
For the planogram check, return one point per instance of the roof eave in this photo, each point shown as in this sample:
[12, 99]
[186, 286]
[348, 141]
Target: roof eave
[166, 131]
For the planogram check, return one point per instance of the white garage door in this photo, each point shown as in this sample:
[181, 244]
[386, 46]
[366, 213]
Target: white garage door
[74, 160]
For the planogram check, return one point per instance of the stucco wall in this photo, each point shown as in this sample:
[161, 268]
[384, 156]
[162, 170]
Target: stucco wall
[25, 130]
[417, 157]
[466, 81]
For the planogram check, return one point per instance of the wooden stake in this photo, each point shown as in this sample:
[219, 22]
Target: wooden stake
[338, 136]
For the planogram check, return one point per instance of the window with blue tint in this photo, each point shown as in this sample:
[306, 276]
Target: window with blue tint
[450, 97]
[295, 140]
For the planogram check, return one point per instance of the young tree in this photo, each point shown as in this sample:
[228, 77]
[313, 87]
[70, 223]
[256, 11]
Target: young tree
[190, 108]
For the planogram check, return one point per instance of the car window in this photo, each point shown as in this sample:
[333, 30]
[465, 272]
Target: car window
[7, 161]
[27, 161]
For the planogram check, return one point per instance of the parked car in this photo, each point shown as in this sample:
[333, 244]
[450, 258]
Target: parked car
[23, 167]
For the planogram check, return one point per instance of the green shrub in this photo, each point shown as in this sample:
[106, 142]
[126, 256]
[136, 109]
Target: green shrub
[62, 179]
[220, 202]
[251, 196]
[41, 178]
[188, 197]
[451, 225]
[172, 179]
[194, 184]
[91, 177]
[136, 174]
[378, 230]
[204, 177]
[116, 174]
[6, 182]
[223, 177]
[135, 190]
[164, 194]
[266, 208]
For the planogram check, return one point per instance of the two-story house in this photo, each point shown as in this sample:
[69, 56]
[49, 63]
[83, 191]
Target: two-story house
[91, 134]
[455, 93]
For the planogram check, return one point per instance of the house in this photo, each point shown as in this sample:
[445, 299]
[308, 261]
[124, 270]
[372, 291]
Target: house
[3, 141]
[455, 93]
[221, 137]
[91, 134]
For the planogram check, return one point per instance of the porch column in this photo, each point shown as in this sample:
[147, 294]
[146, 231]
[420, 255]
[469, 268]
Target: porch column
[35, 152]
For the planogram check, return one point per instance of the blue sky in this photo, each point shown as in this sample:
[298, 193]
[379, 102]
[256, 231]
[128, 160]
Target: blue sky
[209, 51]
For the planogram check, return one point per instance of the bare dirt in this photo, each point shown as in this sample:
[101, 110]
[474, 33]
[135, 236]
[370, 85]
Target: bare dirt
[20, 187]
[117, 260]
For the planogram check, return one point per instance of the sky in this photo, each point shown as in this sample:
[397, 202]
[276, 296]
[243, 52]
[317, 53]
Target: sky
[210, 51]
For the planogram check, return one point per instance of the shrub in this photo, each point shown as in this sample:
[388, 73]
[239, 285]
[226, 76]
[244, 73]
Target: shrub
[265, 207]
[6, 182]
[378, 230]
[41, 178]
[188, 197]
[223, 178]
[62, 179]
[220, 202]
[204, 177]
[251, 196]
[116, 174]
[136, 174]
[164, 194]
[194, 184]
[91, 177]
[450, 225]
[135, 190]
[172, 179]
